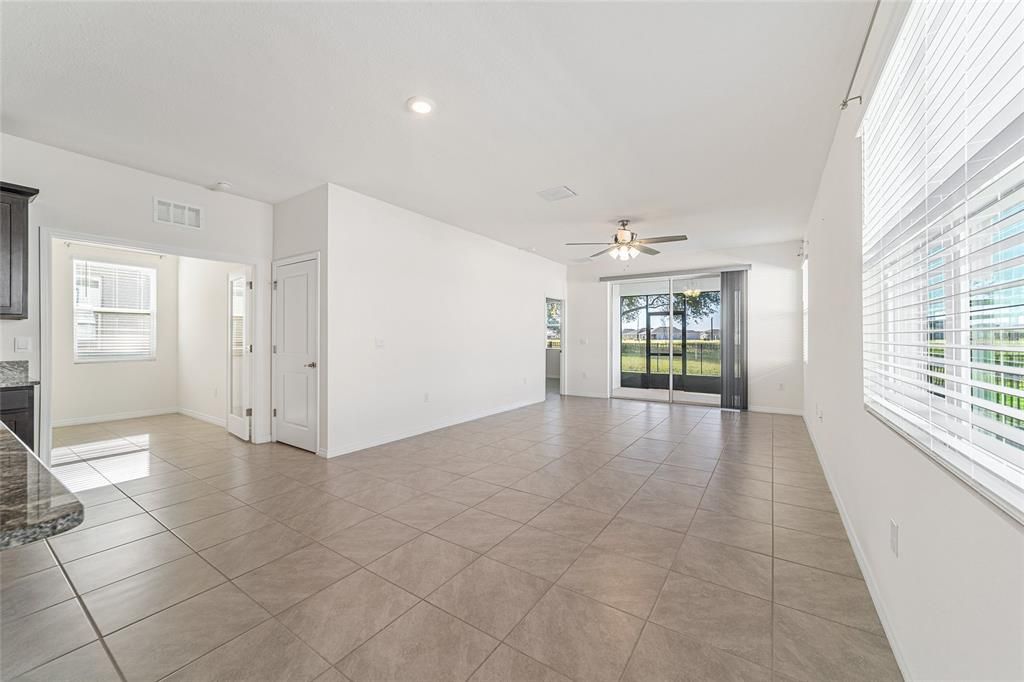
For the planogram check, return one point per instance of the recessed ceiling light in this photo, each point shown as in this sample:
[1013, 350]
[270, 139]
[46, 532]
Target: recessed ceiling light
[419, 105]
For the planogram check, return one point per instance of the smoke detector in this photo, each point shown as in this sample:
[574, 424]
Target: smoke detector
[221, 186]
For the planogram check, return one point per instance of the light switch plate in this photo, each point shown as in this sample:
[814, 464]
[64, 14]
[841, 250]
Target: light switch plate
[22, 344]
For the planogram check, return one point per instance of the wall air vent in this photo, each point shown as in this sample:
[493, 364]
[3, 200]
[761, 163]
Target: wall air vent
[556, 193]
[174, 213]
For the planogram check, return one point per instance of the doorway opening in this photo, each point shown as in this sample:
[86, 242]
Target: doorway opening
[149, 354]
[554, 315]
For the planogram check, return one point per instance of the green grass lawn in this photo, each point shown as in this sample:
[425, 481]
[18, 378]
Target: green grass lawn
[703, 358]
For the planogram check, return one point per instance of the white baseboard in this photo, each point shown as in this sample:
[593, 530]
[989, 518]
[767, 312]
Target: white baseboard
[100, 418]
[578, 394]
[865, 568]
[216, 421]
[356, 446]
[118, 416]
[796, 412]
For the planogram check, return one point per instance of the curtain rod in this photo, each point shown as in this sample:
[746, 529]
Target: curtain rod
[846, 100]
[675, 273]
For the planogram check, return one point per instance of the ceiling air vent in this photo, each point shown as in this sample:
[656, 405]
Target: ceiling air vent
[173, 213]
[556, 193]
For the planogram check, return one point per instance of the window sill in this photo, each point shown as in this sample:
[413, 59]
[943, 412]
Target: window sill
[972, 485]
[120, 358]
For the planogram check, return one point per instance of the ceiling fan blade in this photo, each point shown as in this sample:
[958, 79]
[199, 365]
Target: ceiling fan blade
[645, 249]
[588, 243]
[662, 240]
[599, 253]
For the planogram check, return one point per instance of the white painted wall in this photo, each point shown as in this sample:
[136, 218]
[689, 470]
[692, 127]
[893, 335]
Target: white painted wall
[86, 392]
[203, 338]
[953, 602]
[774, 318]
[457, 316]
[89, 197]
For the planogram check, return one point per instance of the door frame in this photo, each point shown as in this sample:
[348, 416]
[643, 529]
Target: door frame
[561, 346]
[259, 394]
[247, 273]
[274, 321]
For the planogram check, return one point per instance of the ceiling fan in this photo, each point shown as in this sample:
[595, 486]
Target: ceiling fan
[626, 245]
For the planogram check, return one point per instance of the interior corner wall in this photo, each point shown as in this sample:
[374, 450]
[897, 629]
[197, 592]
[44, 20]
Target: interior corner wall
[952, 602]
[774, 318]
[300, 228]
[434, 326]
[86, 392]
[203, 320]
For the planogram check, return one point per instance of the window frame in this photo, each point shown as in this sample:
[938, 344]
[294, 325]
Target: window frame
[992, 474]
[151, 356]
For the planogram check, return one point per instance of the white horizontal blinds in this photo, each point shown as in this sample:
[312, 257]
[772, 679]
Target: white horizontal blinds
[114, 311]
[943, 250]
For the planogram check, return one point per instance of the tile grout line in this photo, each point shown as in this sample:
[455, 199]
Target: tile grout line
[571, 445]
[88, 616]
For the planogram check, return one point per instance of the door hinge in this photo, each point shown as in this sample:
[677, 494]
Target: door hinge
[275, 411]
[250, 285]
[274, 348]
[250, 347]
[248, 412]
[275, 285]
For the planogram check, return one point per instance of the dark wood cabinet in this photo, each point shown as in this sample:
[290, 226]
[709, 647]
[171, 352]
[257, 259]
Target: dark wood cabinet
[14, 200]
[17, 411]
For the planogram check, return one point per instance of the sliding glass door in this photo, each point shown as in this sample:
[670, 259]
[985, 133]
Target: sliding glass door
[643, 355]
[700, 350]
[666, 339]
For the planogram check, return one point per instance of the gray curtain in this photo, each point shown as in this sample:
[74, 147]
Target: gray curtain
[734, 340]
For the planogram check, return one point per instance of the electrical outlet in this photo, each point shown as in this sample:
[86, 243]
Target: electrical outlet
[378, 343]
[894, 538]
[584, 375]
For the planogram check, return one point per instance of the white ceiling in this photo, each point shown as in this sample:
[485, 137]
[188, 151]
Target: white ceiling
[712, 119]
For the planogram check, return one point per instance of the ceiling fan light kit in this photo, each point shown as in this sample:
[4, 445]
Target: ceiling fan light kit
[624, 253]
[626, 245]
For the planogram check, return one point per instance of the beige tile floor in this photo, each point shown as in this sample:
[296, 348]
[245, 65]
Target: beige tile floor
[579, 538]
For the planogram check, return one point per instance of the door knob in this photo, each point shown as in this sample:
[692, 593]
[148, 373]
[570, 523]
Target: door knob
[311, 364]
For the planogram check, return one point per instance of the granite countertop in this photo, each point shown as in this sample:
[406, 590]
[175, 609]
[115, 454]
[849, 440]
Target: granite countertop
[33, 503]
[14, 374]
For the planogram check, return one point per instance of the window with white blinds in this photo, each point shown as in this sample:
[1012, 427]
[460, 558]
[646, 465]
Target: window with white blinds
[114, 312]
[943, 247]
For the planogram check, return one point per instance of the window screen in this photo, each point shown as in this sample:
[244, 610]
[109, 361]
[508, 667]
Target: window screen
[943, 242]
[114, 312]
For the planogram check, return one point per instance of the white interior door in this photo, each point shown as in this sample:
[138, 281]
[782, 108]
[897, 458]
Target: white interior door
[296, 341]
[239, 354]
